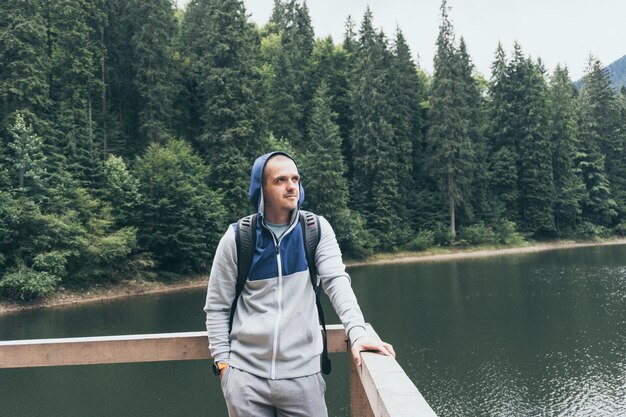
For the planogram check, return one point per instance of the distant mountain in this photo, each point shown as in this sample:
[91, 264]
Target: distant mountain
[617, 74]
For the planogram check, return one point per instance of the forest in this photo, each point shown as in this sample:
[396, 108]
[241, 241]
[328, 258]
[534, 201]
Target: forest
[128, 129]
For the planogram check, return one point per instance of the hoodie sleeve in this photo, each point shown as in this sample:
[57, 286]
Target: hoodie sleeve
[220, 296]
[336, 282]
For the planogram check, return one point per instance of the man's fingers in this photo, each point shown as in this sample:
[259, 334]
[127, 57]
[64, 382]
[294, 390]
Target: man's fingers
[377, 346]
[390, 349]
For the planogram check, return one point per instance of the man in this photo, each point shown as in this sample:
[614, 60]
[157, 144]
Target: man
[269, 363]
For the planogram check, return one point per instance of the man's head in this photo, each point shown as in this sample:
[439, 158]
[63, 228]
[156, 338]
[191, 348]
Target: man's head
[281, 188]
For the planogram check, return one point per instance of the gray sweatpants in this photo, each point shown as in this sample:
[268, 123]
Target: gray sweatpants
[248, 395]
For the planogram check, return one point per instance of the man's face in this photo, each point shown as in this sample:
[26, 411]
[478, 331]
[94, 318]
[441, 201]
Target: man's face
[281, 189]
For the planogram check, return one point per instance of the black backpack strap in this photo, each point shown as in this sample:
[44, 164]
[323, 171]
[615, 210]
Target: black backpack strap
[245, 238]
[311, 234]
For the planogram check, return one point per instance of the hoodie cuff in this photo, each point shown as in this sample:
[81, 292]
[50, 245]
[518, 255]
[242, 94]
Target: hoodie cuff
[224, 358]
[356, 332]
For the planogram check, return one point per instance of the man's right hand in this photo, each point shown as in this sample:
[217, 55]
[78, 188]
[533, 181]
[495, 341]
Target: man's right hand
[223, 370]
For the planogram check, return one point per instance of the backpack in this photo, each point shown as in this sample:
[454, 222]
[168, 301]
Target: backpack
[246, 242]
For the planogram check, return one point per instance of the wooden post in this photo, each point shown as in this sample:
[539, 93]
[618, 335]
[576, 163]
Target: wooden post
[359, 404]
[389, 391]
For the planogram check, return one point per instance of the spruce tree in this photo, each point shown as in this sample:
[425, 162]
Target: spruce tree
[406, 93]
[599, 146]
[290, 90]
[152, 45]
[329, 64]
[121, 96]
[448, 136]
[223, 47]
[75, 50]
[25, 63]
[502, 150]
[25, 158]
[536, 185]
[323, 171]
[568, 182]
[375, 188]
[476, 206]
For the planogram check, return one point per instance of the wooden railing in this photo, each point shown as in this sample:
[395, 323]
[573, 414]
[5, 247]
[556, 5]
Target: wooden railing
[380, 387]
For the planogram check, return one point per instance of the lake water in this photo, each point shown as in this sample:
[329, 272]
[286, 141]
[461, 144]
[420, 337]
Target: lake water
[518, 335]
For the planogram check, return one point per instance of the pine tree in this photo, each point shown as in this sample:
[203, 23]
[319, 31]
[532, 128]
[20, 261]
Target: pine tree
[502, 151]
[536, 185]
[152, 45]
[405, 94]
[476, 205]
[121, 191]
[25, 159]
[222, 47]
[323, 170]
[25, 65]
[598, 146]
[329, 64]
[448, 135]
[121, 96]
[75, 49]
[290, 90]
[567, 180]
[375, 188]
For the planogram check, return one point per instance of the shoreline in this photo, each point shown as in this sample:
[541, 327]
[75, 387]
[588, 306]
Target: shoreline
[132, 288]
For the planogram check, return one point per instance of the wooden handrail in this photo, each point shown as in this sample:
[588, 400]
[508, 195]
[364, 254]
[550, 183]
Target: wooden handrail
[378, 388]
[122, 349]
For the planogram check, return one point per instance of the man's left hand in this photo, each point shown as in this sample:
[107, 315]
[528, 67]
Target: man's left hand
[370, 344]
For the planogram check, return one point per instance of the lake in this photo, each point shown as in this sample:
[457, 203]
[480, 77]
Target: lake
[516, 335]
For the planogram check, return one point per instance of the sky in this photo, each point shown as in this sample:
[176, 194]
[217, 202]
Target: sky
[561, 32]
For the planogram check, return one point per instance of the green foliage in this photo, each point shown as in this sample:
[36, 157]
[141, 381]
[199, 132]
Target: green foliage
[620, 230]
[587, 231]
[568, 183]
[536, 186]
[604, 160]
[323, 169]
[442, 234]
[477, 234]
[180, 219]
[385, 149]
[24, 80]
[449, 134]
[222, 48]
[25, 157]
[507, 233]
[290, 89]
[152, 43]
[375, 187]
[121, 190]
[26, 284]
[423, 240]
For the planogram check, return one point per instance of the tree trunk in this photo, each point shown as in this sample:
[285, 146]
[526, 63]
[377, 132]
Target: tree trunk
[105, 139]
[451, 208]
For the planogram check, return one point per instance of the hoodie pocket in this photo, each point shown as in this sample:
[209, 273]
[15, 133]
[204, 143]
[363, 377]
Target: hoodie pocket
[254, 336]
[296, 337]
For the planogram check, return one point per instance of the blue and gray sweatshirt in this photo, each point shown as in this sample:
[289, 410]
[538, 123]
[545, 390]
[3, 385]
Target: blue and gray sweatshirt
[275, 332]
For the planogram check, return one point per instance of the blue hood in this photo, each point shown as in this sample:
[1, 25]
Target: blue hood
[256, 181]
